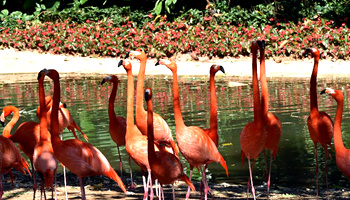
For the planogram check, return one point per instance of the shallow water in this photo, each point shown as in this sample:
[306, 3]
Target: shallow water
[289, 100]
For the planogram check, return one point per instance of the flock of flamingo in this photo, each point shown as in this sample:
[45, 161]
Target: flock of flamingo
[149, 141]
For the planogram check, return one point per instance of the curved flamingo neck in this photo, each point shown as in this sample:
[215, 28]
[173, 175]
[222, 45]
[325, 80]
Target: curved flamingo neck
[256, 94]
[338, 140]
[150, 133]
[179, 122]
[264, 87]
[111, 112]
[130, 103]
[55, 106]
[313, 90]
[213, 106]
[7, 130]
[43, 112]
[140, 110]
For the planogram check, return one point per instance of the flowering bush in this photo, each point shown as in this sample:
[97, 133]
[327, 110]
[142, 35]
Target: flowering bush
[161, 37]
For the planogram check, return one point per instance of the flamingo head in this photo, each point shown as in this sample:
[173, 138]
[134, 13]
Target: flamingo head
[6, 111]
[148, 94]
[215, 68]
[315, 53]
[336, 94]
[52, 73]
[112, 78]
[136, 54]
[169, 64]
[126, 64]
[261, 44]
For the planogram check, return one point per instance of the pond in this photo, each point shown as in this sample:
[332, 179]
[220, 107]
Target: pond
[289, 100]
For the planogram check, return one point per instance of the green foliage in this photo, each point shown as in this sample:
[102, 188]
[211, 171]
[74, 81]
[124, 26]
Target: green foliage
[168, 5]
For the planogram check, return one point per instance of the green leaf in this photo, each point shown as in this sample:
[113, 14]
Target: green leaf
[158, 7]
[4, 12]
[83, 1]
[3, 2]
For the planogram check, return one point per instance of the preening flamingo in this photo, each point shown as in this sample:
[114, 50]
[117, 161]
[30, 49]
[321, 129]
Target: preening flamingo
[194, 144]
[135, 142]
[27, 135]
[79, 157]
[342, 155]
[272, 123]
[253, 135]
[44, 160]
[117, 124]
[162, 132]
[320, 124]
[166, 167]
[10, 157]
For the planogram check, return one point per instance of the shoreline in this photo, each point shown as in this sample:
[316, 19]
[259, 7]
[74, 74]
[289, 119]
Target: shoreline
[26, 64]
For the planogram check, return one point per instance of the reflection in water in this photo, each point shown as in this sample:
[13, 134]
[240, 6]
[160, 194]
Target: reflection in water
[295, 164]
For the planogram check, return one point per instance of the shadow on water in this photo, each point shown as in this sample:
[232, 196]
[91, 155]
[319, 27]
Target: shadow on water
[289, 99]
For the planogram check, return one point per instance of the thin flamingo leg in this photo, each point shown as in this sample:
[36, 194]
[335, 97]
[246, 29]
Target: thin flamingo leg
[145, 194]
[189, 189]
[269, 178]
[326, 170]
[64, 175]
[121, 163]
[82, 189]
[316, 172]
[150, 185]
[251, 178]
[132, 185]
[1, 189]
[34, 184]
[172, 187]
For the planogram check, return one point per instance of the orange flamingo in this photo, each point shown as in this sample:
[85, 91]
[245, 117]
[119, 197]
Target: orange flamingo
[10, 157]
[166, 167]
[272, 123]
[213, 130]
[27, 135]
[194, 144]
[79, 157]
[135, 141]
[253, 135]
[319, 123]
[117, 124]
[342, 155]
[44, 160]
[162, 132]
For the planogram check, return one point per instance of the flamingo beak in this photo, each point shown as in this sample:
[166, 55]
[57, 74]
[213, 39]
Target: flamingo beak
[120, 63]
[157, 63]
[306, 52]
[323, 91]
[127, 55]
[222, 69]
[104, 80]
[261, 44]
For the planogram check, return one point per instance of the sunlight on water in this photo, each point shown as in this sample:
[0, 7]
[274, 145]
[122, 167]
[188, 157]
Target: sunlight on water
[295, 165]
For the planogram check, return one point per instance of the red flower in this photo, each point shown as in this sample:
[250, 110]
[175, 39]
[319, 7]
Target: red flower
[207, 18]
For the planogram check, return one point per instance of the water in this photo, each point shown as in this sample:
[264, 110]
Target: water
[289, 98]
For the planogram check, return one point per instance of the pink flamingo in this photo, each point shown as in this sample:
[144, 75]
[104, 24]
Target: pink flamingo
[194, 144]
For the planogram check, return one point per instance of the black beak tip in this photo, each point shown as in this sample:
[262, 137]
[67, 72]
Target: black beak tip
[323, 91]
[148, 94]
[306, 52]
[222, 69]
[157, 63]
[64, 105]
[127, 55]
[2, 123]
[120, 63]
[261, 44]
[104, 80]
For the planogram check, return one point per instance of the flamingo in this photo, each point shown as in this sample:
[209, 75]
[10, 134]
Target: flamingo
[135, 141]
[342, 155]
[44, 160]
[194, 144]
[320, 124]
[213, 130]
[166, 167]
[253, 135]
[117, 124]
[10, 156]
[162, 132]
[79, 157]
[65, 118]
[27, 134]
[272, 123]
